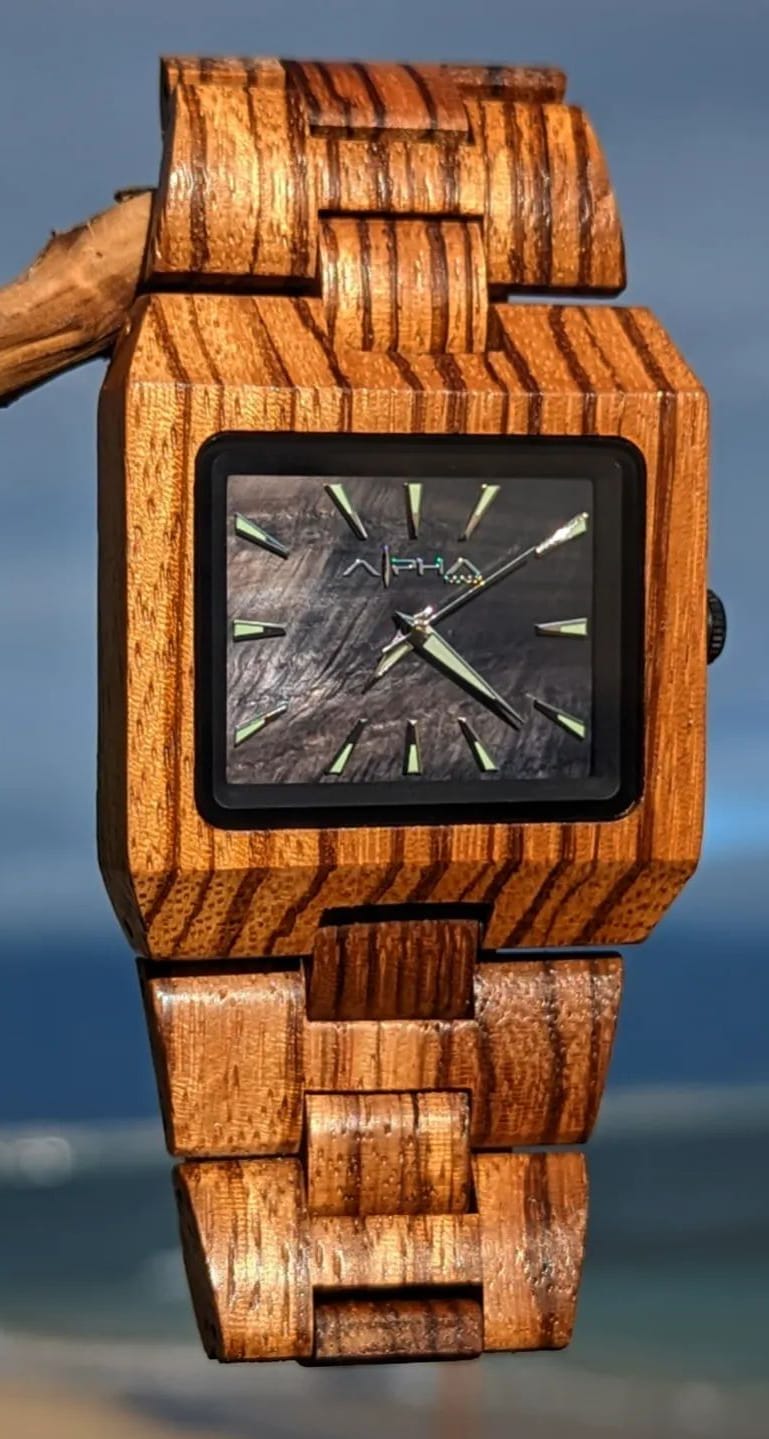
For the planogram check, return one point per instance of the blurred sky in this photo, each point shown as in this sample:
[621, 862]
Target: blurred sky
[677, 91]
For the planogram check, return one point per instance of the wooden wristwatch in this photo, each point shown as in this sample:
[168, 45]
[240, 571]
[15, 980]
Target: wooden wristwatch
[403, 648]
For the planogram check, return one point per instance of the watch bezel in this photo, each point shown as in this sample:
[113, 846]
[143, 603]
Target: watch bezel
[617, 470]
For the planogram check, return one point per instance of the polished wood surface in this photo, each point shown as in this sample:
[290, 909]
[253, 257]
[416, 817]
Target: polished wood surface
[542, 83]
[256, 1256]
[192, 365]
[391, 1153]
[236, 1053]
[352, 139]
[229, 1057]
[419, 285]
[533, 1210]
[398, 1192]
[404, 969]
[344, 1059]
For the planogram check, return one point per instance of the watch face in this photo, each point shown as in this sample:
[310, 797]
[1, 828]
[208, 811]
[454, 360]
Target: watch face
[392, 629]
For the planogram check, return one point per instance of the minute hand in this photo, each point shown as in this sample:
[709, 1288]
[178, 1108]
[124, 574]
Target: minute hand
[399, 647]
[445, 658]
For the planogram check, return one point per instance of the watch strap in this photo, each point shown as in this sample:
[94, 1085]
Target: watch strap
[407, 196]
[358, 1134]
[373, 1132]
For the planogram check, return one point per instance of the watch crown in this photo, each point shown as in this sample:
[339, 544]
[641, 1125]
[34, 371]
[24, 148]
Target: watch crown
[716, 626]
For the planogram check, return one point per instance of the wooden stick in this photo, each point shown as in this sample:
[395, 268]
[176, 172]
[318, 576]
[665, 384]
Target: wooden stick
[71, 302]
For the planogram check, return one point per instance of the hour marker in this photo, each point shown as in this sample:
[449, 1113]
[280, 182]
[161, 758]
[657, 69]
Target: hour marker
[570, 531]
[346, 508]
[412, 759]
[563, 627]
[570, 723]
[479, 752]
[486, 497]
[253, 726]
[255, 630]
[249, 530]
[339, 762]
[413, 493]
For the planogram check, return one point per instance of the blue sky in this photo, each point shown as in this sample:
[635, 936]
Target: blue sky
[677, 91]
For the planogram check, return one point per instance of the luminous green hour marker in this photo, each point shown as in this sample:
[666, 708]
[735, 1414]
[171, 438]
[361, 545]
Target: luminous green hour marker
[255, 630]
[346, 508]
[486, 497]
[413, 493]
[412, 759]
[570, 723]
[253, 726]
[339, 762]
[563, 627]
[479, 752]
[249, 530]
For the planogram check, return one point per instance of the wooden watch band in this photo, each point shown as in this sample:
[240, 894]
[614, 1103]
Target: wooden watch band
[375, 1117]
[358, 1130]
[404, 194]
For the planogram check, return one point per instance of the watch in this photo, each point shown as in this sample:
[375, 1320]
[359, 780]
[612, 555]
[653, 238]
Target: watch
[403, 637]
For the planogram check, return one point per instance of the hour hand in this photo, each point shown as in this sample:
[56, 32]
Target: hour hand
[398, 648]
[426, 641]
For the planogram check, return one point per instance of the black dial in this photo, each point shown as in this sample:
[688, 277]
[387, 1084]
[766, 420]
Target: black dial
[435, 624]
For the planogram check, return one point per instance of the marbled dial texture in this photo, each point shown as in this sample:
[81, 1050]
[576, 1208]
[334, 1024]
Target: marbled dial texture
[337, 617]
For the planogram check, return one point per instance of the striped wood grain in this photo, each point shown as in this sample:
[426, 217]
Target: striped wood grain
[240, 1066]
[414, 285]
[256, 1259]
[391, 1153]
[404, 141]
[190, 366]
[404, 969]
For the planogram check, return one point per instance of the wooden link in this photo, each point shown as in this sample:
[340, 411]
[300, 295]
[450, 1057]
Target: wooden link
[222, 214]
[373, 98]
[541, 83]
[419, 969]
[255, 1258]
[393, 141]
[320, 1257]
[551, 220]
[420, 177]
[235, 1053]
[547, 1028]
[394, 1251]
[393, 1328]
[414, 285]
[388, 1153]
[228, 1056]
[516, 82]
[533, 1212]
[369, 1055]
[244, 1230]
